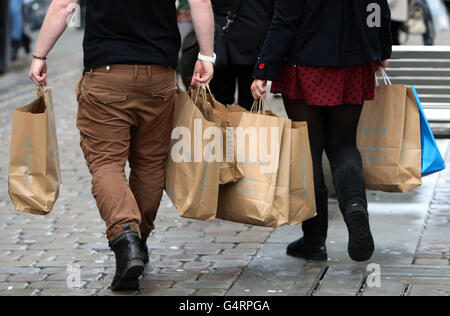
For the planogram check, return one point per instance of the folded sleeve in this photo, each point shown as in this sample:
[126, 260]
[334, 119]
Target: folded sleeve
[385, 32]
[279, 39]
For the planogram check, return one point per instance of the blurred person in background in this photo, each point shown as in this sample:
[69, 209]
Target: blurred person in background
[407, 15]
[126, 101]
[18, 36]
[247, 23]
[400, 14]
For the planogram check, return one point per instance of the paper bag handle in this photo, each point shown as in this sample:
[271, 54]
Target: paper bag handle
[41, 90]
[259, 106]
[387, 80]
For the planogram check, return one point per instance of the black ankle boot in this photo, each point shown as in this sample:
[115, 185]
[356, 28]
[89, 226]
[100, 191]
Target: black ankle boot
[144, 248]
[26, 42]
[313, 244]
[316, 251]
[129, 260]
[351, 192]
[15, 45]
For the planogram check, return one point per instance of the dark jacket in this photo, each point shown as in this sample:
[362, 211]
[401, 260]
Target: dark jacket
[324, 33]
[246, 35]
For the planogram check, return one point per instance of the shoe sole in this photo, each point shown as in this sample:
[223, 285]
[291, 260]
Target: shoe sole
[361, 244]
[130, 281]
[308, 257]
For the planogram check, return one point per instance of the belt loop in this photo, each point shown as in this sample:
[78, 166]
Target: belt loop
[135, 72]
[91, 73]
[149, 72]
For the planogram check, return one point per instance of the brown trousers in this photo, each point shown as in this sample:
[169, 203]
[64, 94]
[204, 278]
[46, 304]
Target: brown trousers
[125, 113]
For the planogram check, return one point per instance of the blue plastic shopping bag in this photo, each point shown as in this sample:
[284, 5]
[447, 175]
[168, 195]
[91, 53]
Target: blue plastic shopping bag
[432, 160]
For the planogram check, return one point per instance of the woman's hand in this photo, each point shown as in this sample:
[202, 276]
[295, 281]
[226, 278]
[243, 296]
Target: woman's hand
[259, 88]
[382, 64]
[38, 72]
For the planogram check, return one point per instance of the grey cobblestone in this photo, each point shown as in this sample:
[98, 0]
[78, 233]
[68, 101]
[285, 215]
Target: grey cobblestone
[27, 278]
[19, 292]
[210, 292]
[431, 262]
[66, 292]
[13, 285]
[203, 284]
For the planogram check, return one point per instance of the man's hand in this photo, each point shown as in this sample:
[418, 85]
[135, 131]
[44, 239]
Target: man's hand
[203, 20]
[382, 64]
[203, 73]
[259, 89]
[38, 72]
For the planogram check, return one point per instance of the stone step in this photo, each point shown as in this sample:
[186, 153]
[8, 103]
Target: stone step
[425, 80]
[427, 52]
[417, 62]
[433, 90]
[418, 72]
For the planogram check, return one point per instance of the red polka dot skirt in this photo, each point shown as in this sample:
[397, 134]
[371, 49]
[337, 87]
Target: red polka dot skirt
[327, 86]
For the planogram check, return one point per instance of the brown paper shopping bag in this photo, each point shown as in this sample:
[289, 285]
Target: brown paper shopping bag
[302, 201]
[192, 182]
[256, 199]
[389, 140]
[203, 97]
[34, 171]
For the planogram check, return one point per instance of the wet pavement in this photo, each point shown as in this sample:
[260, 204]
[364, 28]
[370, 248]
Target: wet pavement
[39, 254]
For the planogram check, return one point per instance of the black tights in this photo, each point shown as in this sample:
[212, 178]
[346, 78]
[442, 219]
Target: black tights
[332, 129]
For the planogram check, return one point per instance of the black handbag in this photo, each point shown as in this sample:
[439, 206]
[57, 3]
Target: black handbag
[190, 48]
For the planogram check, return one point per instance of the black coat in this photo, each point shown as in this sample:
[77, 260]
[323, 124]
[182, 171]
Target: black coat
[246, 35]
[324, 33]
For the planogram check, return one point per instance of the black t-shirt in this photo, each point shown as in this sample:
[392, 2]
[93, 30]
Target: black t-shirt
[141, 32]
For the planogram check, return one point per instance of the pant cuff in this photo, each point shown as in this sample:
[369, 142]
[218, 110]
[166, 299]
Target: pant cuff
[116, 231]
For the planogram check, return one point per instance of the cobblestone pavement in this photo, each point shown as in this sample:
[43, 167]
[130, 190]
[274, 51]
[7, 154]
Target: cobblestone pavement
[37, 254]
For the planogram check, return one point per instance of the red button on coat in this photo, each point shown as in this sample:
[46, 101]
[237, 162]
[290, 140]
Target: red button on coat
[262, 66]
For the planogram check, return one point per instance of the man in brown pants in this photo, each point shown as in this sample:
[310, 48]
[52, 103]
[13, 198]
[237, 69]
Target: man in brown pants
[126, 102]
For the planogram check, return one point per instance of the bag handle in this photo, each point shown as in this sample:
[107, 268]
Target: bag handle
[387, 80]
[259, 106]
[206, 107]
[41, 90]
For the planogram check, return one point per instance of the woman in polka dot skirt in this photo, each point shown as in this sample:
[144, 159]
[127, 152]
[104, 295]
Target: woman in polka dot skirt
[322, 56]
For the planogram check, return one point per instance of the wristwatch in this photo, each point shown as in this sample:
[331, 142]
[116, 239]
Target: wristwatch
[207, 58]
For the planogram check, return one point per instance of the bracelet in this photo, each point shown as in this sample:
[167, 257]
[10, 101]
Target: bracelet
[38, 57]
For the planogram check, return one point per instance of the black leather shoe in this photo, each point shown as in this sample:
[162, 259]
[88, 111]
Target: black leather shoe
[300, 249]
[129, 260]
[144, 248]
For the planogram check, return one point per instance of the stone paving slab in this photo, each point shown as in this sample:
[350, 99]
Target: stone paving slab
[271, 273]
[352, 280]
